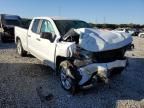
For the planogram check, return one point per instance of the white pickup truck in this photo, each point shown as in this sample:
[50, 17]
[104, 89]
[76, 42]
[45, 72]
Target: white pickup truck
[80, 54]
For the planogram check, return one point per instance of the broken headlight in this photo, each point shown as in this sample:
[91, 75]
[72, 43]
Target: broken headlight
[82, 58]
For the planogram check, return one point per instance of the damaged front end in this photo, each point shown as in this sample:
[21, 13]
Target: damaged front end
[96, 54]
[91, 65]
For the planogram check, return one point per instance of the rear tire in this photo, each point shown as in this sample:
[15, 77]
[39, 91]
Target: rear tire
[20, 49]
[67, 82]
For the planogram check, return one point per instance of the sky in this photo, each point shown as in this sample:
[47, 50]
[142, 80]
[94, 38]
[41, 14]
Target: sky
[96, 11]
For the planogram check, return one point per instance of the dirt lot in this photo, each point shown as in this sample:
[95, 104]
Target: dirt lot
[26, 83]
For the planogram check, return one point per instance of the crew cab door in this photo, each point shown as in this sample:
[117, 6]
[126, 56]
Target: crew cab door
[33, 38]
[46, 47]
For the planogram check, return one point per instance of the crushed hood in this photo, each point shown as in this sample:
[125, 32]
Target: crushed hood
[96, 40]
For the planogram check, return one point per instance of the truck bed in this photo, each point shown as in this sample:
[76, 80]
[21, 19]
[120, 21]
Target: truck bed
[22, 33]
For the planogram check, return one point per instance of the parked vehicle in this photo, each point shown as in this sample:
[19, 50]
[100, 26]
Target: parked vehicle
[136, 32]
[133, 32]
[141, 34]
[25, 22]
[7, 23]
[78, 53]
[126, 30]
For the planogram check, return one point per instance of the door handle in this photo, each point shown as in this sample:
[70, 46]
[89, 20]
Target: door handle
[38, 39]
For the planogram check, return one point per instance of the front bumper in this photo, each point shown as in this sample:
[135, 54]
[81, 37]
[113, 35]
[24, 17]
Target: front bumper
[99, 68]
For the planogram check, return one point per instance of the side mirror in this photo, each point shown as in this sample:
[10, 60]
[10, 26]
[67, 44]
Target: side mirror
[47, 35]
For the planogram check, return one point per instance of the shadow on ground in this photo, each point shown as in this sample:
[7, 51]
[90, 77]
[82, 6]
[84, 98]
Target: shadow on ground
[9, 45]
[19, 83]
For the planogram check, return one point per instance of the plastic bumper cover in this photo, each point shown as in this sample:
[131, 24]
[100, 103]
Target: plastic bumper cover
[87, 71]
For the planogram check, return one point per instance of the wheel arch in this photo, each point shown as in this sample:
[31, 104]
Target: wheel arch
[59, 59]
[16, 39]
[23, 51]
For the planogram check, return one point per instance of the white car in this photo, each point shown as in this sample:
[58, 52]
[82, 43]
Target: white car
[141, 34]
[78, 53]
[126, 30]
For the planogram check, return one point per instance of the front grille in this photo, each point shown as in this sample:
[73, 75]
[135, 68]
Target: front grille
[109, 56]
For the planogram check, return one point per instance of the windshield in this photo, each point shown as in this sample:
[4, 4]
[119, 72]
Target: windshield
[65, 25]
[12, 22]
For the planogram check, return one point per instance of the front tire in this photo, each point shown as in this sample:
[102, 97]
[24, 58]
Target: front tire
[67, 82]
[20, 49]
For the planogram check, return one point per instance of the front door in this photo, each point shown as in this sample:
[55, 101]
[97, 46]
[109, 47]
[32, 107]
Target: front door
[47, 48]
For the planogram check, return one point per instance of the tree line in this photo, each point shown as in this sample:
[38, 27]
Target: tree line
[114, 26]
[27, 21]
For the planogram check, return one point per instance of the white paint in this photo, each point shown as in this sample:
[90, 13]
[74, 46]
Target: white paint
[88, 70]
[99, 40]
[90, 39]
[140, 34]
[124, 30]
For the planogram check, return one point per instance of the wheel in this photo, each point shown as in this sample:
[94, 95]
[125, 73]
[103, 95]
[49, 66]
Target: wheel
[20, 49]
[67, 82]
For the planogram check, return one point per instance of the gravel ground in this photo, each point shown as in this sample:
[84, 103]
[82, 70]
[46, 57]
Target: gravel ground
[26, 83]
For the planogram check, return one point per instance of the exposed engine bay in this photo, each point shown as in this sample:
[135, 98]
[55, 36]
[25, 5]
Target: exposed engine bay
[92, 53]
[97, 52]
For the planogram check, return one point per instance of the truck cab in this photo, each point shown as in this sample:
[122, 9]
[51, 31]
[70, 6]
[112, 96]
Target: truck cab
[76, 51]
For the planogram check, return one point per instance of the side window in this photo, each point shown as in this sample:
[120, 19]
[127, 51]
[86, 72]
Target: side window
[46, 27]
[35, 26]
